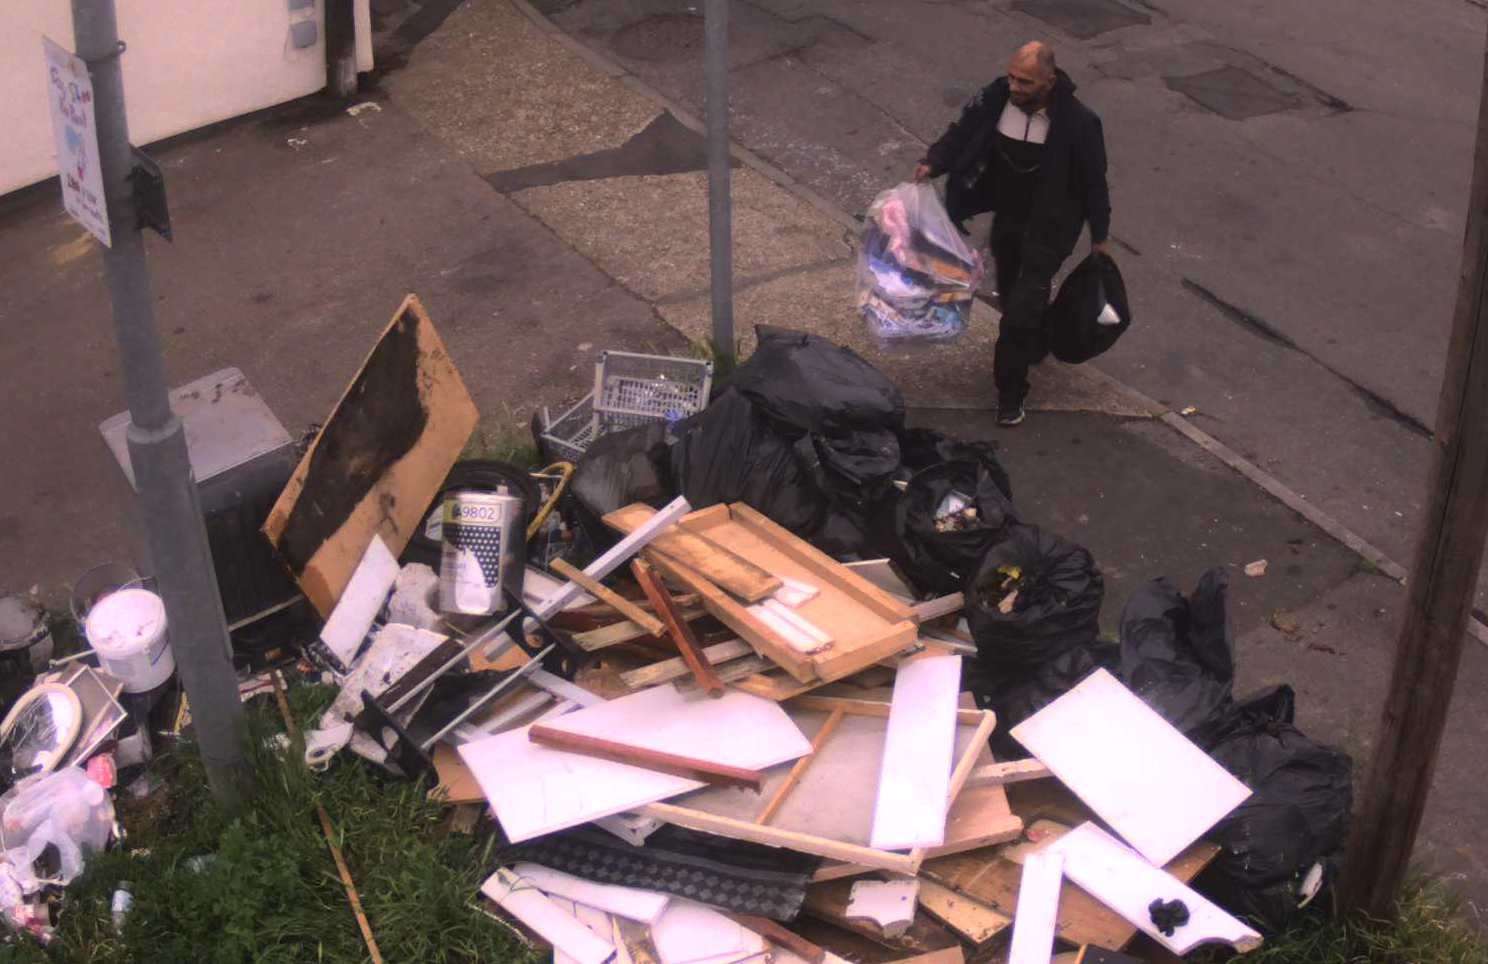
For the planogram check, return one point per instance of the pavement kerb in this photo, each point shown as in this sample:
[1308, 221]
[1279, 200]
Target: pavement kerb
[1264, 480]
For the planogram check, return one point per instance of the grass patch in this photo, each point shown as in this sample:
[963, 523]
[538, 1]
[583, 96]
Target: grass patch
[1429, 930]
[271, 892]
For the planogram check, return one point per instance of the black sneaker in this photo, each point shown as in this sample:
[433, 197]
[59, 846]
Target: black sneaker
[1010, 415]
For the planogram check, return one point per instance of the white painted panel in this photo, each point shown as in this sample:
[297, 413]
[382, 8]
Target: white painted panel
[1149, 782]
[914, 781]
[189, 63]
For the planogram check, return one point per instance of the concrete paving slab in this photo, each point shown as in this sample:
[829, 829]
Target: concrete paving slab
[490, 85]
[651, 233]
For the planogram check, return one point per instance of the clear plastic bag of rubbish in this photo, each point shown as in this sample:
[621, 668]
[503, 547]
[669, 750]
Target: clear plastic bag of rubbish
[64, 810]
[916, 274]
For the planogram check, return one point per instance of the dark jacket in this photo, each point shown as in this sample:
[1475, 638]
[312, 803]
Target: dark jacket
[1072, 176]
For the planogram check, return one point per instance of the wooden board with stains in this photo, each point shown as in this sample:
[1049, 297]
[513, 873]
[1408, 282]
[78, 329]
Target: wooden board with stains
[381, 457]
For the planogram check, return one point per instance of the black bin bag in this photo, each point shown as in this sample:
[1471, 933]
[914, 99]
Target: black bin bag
[1177, 654]
[619, 469]
[1078, 324]
[1051, 591]
[946, 519]
[1279, 849]
[818, 386]
[729, 453]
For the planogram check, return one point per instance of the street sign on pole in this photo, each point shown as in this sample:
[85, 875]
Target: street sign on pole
[70, 94]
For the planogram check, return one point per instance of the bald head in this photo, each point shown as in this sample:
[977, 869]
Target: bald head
[1031, 75]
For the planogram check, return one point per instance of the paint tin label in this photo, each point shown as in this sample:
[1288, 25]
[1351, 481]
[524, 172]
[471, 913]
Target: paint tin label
[477, 549]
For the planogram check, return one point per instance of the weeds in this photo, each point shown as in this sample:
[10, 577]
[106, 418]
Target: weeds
[270, 891]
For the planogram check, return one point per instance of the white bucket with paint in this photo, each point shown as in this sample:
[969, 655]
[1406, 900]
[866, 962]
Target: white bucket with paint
[127, 630]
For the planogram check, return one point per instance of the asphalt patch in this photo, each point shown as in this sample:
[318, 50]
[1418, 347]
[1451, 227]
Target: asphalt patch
[665, 36]
[664, 146]
[1234, 93]
[1082, 18]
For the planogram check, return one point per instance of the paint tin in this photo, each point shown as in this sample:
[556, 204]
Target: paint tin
[127, 630]
[484, 541]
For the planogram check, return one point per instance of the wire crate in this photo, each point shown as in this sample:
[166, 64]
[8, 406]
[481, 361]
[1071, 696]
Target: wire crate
[631, 389]
[571, 433]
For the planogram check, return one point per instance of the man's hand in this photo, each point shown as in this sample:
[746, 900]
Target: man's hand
[1102, 247]
[921, 171]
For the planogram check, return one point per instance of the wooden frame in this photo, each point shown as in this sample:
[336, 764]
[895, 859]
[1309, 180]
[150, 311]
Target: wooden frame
[694, 817]
[867, 623]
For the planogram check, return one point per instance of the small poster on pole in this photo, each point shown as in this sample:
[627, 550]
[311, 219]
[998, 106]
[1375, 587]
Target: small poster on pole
[70, 93]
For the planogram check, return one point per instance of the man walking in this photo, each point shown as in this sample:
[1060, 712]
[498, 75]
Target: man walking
[1027, 149]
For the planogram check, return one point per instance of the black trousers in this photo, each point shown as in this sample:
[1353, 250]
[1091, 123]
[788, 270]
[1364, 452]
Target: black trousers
[1022, 341]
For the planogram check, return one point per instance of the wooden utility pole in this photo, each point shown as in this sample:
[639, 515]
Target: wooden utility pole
[1442, 585]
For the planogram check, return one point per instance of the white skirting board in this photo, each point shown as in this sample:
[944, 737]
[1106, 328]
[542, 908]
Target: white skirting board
[1132, 767]
[1118, 877]
[552, 923]
[360, 602]
[536, 790]
[688, 932]
[628, 902]
[915, 777]
[1038, 909]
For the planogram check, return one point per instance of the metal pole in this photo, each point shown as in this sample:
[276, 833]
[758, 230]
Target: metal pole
[1442, 586]
[157, 444]
[720, 213]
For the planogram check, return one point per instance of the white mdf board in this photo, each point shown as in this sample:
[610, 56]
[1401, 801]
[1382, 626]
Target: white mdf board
[1038, 908]
[914, 778]
[835, 796]
[1134, 769]
[1118, 877]
[549, 920]
[689, 932]
[536, 790]
[628, 902]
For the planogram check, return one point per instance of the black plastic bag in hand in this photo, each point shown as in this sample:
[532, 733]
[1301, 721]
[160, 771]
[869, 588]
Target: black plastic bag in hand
[1296, 819]
[1077, 332]
[1032, 597]
[1177, 654]
[946, 519]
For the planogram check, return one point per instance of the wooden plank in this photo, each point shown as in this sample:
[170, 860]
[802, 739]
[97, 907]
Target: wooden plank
[865, 592]
[700, 554]
[775, 686]
[794, 777]
[691, 768]
[380, 459]
[535, 790]
[1038, 909]
[1141, 776]
[776, 837]
[828, 902]
[938, 607]
[456, 783]
[951, 955]
[677, 628]
[1122, 880]
[738, 618]
[669, 669]
[830, 814]
[1001, 774]
[777, 934]
[994, 876]
[609, 597]
[866, 624]
[625, 631]
[915, 775]
[976, 923]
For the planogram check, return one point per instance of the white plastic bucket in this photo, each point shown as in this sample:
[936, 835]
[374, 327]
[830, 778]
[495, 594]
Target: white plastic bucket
[127, 630]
